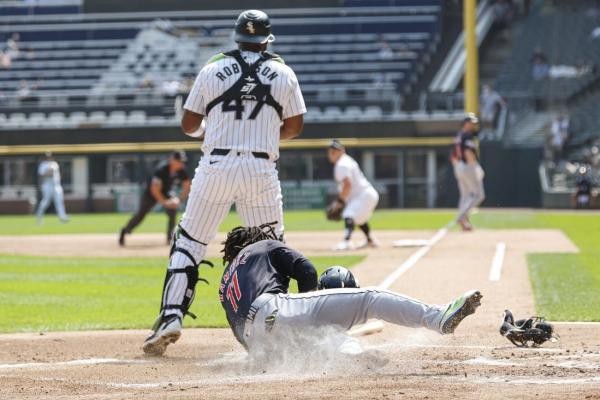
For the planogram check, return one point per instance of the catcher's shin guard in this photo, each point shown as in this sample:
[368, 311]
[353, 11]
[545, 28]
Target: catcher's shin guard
[179, 287]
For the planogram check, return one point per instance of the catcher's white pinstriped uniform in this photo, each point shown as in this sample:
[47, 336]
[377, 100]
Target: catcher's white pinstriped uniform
[363, 197]
[239, 176]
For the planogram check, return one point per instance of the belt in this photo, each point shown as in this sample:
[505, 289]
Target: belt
[224, 152]
[256, 305]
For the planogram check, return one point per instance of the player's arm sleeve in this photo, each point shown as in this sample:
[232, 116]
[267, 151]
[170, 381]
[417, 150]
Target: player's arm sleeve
[291, 263]
[196, 100]
[295, 102]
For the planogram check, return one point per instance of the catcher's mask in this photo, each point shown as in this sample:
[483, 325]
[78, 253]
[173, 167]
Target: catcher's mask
[530, 332]
[337, 277]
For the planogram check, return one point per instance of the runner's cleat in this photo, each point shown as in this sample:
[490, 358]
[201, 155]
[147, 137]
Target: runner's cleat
[458, 310]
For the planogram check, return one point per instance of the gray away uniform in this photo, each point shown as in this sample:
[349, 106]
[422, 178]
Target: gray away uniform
[468, 176]
[254, 294]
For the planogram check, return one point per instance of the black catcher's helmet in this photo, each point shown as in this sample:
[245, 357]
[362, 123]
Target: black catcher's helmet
[253, 26]
[337, 277]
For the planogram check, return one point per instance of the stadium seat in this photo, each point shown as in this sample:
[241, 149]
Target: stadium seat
[97, 117]
[136, 118]
[373, 112]
[77, 118]
[117, 118]
[36, 119]
[56, 119]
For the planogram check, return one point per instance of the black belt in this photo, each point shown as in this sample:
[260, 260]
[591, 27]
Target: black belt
[224, 152]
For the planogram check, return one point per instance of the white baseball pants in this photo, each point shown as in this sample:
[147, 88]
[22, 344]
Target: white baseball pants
[52, 193]
[361, 207]
[252, 184]
[470, 187]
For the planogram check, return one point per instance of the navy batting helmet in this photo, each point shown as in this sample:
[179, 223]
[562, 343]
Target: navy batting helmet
[253, 26]
[337, 277]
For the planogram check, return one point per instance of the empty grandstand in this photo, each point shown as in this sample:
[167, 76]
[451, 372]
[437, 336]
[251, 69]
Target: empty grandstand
[127, 68]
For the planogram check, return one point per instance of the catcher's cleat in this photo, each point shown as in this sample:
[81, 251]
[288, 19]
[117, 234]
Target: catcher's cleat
[167, 332]
[458, 310]
[343, 245]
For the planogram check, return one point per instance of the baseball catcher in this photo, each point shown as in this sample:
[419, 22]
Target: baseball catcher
[259, 308]
[531, 332]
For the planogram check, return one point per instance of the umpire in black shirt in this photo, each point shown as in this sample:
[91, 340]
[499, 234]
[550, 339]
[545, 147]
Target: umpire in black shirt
[167, 174]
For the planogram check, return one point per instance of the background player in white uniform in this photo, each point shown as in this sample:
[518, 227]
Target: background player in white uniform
[355, 193]
[49, 175]
[243, 102]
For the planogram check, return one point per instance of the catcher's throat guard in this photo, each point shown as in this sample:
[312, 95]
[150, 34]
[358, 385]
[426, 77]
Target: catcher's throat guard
[531, 332]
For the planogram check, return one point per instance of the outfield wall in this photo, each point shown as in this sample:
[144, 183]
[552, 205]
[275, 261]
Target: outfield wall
[105, 169]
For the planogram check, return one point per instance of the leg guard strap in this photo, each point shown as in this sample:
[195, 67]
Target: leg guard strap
[191, 273]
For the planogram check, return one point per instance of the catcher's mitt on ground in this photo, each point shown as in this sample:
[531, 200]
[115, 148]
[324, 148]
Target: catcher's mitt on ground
[334, 210]
[530, 332]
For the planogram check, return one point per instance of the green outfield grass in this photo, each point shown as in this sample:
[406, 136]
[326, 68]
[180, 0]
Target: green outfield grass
[63, 293]
[565, 286]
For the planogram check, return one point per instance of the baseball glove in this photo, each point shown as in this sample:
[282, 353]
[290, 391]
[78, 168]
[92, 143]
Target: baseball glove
[530, 332]
[334, 210]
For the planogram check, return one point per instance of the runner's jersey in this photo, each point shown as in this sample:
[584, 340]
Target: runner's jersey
[347, 167]
[262, 267]
[230, 127]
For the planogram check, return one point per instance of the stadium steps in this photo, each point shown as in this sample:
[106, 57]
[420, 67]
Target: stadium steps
[531, 130]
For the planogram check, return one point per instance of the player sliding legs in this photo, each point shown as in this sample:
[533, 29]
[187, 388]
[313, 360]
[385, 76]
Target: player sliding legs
[243, 103]
[356, 196]
[259, 309]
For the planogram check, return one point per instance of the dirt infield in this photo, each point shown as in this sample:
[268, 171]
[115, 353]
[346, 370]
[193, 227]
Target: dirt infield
[397, 363]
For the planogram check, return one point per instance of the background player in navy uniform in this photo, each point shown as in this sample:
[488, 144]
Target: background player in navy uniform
[584, 196]
[158, 190]
[469, 174]
[254, 294]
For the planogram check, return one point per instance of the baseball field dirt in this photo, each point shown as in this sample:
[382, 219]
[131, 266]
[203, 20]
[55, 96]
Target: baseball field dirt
[396, 363]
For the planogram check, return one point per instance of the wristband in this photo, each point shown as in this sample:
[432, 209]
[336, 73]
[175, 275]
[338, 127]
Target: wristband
[198, 133]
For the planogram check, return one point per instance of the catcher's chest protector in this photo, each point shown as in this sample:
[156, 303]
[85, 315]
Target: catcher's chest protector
[247, 87]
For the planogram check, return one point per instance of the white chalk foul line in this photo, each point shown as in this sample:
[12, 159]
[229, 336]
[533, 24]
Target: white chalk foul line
[405, 266]
[413, 259]
[498, 260]
[594, 324]
[58, 364]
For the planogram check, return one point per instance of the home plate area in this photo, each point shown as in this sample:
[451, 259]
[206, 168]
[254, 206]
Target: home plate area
[388, 362]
